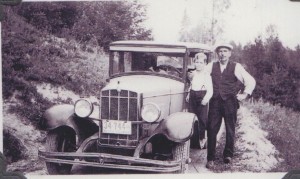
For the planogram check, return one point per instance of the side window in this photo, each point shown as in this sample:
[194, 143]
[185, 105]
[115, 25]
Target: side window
[115, 68]
[128, 61]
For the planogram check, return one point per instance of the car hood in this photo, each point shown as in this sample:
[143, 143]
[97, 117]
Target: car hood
[146, 84]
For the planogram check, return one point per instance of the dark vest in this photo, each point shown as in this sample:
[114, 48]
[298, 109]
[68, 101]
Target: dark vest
[224, 84]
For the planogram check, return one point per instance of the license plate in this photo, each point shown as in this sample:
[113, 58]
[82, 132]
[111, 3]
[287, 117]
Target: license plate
[116, 127]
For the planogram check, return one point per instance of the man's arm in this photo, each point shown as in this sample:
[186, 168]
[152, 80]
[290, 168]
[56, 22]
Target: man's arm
[209, 90]
[248, 81]
[208, 68]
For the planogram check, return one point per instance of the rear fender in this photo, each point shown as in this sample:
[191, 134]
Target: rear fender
[63, 115]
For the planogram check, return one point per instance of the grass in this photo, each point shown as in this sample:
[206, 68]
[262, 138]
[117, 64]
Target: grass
[282, 125]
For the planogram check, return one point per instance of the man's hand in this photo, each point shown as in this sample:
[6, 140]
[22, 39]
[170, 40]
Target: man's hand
[242, 96]
[187, 97]
[204, 101]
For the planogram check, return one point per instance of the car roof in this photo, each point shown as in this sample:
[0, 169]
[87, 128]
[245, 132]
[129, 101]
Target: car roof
[156, 46]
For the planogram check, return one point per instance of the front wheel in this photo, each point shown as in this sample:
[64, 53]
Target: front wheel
[60, 141]
[182, 152]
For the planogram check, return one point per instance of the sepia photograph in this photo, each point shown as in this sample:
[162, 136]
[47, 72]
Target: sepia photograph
[204, 88]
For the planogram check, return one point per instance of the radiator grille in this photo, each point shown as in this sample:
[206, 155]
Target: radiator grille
[122, 106]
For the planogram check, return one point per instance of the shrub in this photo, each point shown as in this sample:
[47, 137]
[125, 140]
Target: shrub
[14, 150]
[32, 105]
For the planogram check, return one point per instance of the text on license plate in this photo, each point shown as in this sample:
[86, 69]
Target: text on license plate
[116, 127]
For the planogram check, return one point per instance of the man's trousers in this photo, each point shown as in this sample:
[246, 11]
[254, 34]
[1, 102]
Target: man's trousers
[218, 109]
[200, 110]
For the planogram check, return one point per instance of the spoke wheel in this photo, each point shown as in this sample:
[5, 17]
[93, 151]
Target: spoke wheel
[182, 152]
[60, 141]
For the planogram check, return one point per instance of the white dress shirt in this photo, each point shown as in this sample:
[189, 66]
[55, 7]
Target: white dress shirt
[202, 81]
[241, 74]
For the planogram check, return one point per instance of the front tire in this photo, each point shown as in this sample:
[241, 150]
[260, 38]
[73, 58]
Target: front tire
[182, 152]
[62, 140]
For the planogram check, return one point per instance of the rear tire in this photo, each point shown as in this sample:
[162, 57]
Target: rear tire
[195, 139]
[61, 140]
[182, 152]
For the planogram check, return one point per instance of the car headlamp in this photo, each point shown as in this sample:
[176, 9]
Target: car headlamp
[150, 112]
[83, 108]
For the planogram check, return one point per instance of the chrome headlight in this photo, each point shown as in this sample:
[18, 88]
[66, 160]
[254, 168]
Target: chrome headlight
[150, 112]
[83, 108]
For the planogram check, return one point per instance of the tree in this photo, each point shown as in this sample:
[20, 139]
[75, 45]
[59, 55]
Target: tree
[275, 69]
[98, 21]
[208, 29]
[107, 21]
[185, 25]
[49, 16]
[218, 8]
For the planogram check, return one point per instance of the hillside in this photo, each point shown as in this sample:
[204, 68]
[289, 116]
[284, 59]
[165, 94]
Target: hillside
[42, 58]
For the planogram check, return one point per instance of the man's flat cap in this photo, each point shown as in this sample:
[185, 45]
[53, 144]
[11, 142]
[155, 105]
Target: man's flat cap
[224, 45]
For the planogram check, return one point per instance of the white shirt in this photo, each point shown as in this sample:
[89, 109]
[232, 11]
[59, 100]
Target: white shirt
[202, 81]
[241, 74]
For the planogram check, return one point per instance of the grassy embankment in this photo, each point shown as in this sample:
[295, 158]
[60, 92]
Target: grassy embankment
[42, 58]
[282, 125]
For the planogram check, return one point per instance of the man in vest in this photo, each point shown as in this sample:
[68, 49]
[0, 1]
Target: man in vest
[225, 101]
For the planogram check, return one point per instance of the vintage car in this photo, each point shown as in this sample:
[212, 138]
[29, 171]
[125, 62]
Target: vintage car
[141, 122]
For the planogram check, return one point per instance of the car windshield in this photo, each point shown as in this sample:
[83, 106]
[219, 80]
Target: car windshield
[151, 63]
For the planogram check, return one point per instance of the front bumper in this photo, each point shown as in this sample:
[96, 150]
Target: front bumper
[104, 160]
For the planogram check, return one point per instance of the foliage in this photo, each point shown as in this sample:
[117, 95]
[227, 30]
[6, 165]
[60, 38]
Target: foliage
[14, 149]
[48, 16]
[99, 22]
[274, 69]
[283, 126]
[110, 21]
[32, 104]
[85, 20]
[200, 33]
[60, 43]
[185, 24]
[75, 61]
[209, 28]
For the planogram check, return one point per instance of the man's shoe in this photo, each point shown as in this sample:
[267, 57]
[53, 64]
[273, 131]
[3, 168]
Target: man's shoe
[227, 159]
[210, 164]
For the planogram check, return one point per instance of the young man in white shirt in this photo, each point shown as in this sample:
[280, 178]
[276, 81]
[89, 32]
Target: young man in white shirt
[224, 102]
[200, 92]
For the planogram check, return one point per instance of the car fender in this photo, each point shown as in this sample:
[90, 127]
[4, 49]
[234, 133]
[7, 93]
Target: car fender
[178, 127]
[63, 115]
[58, 115]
